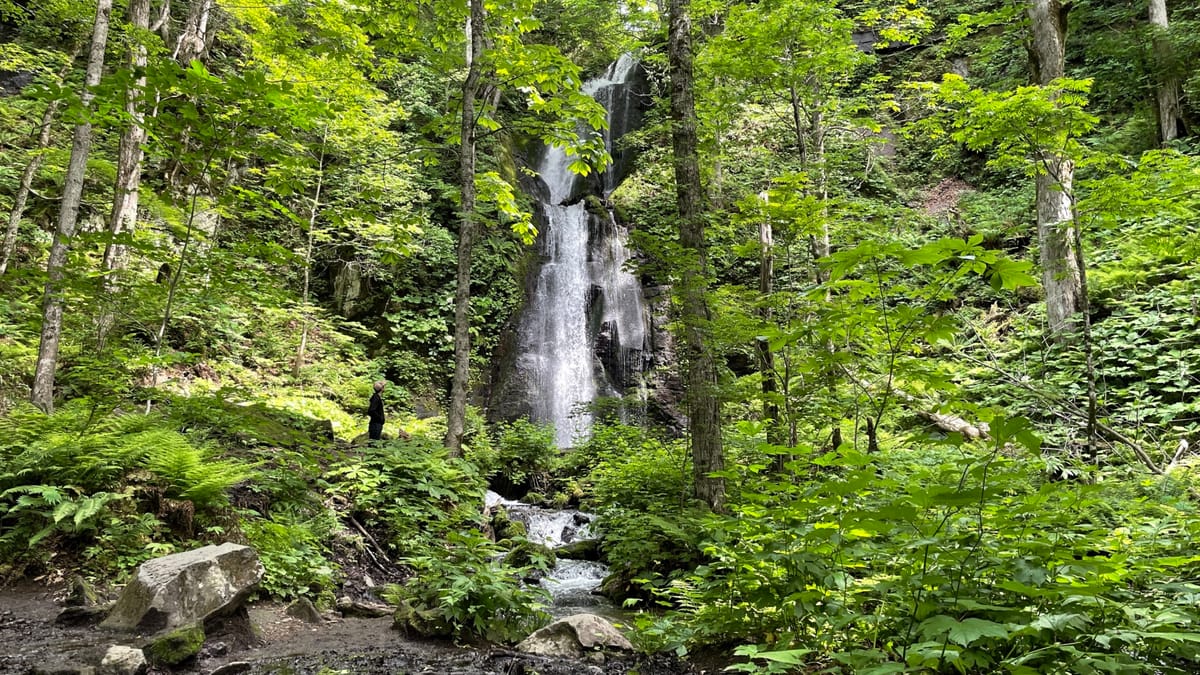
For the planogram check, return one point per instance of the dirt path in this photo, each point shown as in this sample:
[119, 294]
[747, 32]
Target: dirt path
[31, 642]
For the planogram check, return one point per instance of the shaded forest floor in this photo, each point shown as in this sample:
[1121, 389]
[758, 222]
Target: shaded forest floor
[31, 642]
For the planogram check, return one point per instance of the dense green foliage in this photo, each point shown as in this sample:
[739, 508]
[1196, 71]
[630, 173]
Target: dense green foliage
[897, 417]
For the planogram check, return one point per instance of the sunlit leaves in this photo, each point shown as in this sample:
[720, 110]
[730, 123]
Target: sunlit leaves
[1020, 125]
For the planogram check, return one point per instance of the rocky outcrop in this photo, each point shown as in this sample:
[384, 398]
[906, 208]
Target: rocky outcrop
[576, 636]
[185, 589]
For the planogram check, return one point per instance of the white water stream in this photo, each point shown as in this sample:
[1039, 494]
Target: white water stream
[571, 583]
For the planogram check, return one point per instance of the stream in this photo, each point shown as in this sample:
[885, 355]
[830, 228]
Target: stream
[571, 584]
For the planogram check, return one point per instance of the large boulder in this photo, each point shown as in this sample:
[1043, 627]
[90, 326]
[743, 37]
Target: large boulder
[186, 588]
[575, 636]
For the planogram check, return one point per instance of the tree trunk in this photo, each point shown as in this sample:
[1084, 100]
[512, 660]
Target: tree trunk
[193, 40]
[766, 357]
[31, 169]
[123, 217]
[1056, 235]
[456, 417]
[1170, 112]
[308, 254]
[701, 375]
[42, 393]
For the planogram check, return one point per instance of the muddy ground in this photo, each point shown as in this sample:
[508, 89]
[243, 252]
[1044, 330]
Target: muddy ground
[31, 642]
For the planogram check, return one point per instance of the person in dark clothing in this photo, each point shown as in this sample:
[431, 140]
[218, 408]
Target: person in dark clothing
[375, 413]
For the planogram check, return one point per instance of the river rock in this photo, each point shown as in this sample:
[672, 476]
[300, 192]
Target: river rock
[80, 593]
[362, 608]
[120, 660]
[82, 616]
[173, 647]
[305, 610]
[575, 636]
[186, 588]
[582, 549]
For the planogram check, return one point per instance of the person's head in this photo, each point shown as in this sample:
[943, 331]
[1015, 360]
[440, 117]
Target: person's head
[380, 384]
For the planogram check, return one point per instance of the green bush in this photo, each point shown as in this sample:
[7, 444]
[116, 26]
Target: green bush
[640, 487]
[524, 458]
[968, 563]
[79, 472]
[463, 585]
[411, 491]
[294, 554]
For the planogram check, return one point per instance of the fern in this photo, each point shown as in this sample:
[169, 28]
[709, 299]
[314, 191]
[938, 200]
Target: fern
[193, 473]
[64, 508]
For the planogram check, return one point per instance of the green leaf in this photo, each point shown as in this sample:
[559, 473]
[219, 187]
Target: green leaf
[963, 632]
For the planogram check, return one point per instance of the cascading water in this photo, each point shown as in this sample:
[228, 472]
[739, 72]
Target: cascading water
[584, 331]
[571, 584]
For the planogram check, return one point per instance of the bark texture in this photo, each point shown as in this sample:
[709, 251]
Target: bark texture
[193, 41]
[701, 376]
[766, 357]
[1055, 224]
[1170, 111]
[27, 176]
[42, 393]
[123, 217]
[459, 384]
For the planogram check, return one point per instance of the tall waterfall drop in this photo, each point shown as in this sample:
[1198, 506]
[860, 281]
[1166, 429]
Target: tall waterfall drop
[584, 331]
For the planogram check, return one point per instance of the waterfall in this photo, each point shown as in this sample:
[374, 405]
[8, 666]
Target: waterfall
[584, 330]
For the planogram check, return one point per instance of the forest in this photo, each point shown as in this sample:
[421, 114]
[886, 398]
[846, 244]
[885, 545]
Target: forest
[867, 331]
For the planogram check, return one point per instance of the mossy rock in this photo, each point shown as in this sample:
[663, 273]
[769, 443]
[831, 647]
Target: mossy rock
[505, 527]
[523, 552]
[176, 646]
[81, 593]
[425, 622]
[595, 205]
[584, 549]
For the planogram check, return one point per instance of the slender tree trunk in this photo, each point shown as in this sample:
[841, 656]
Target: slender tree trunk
[1170, 111]
[162, 25]
[173, 284]
[308, 253]
[1056, 235]
[42, 393]
[123, 217]
[766, 357]
[27, 176]
[701, 375]
[456, 417]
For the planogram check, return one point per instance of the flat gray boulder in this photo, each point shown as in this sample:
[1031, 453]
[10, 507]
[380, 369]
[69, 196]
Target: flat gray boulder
[575, 636]
[186, 588]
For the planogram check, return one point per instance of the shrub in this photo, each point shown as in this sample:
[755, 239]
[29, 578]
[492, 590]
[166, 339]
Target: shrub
[411, 491]
[466, 587]
[293, 553]
[524, 458]
[968, 563]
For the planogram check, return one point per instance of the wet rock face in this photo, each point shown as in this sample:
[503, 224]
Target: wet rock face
[186, 588]
[575, 636]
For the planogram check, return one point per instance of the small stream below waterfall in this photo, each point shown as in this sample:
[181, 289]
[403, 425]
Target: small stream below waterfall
[571, 584]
